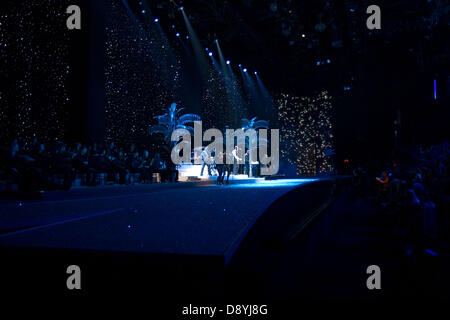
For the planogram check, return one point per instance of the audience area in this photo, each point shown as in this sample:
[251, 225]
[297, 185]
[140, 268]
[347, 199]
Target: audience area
[59, 166]
[414, 191]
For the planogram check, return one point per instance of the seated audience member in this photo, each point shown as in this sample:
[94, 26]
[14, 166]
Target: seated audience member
[383, 186]
[157, 164]
[80, 162]
[383, 180]
[147, 175]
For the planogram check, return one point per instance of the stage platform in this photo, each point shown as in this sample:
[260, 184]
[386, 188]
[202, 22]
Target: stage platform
[183, 218]
[188, 224]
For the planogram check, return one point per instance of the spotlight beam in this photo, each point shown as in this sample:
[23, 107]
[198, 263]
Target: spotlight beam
[201, 59]
[252, 93]
[266, 97]
[221, 58]
[130, 12]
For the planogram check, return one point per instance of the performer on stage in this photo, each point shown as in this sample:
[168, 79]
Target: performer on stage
[228, 166]
[220, 167]
[204, 163]
[247, 163]
[225, 168]
[236, 160]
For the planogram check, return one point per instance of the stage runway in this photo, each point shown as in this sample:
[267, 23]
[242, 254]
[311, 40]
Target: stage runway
[176, 238]
[180, 218]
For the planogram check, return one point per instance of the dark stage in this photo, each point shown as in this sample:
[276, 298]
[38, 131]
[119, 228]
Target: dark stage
[233, 154]
[193, 229]
[203, 220]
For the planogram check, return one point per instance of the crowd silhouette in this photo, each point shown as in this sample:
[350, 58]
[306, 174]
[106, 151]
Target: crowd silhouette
[51, 166]
[414, 191]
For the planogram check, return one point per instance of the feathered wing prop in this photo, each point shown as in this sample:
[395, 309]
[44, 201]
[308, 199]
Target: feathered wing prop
[187, 118]
[157, 128]
[253, 124]
[170, 121]
[173, 108]
[245, 123]
[188, 128]
[256, 142]
[164, 120]
[261, 124]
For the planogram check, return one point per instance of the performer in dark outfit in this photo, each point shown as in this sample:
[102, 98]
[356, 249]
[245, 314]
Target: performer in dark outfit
[229, 163]
[247, 163]
[220, 167]
[224, 168]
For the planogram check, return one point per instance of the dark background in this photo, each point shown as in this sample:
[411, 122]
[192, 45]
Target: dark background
[389, 72]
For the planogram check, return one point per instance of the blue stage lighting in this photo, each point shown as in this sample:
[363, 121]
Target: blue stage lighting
[274, 183]
[256, 72]
[328, 61]
[206, 49]
[210, 54]
[245, 70]
[434, 253]
[143, 11]
[435, 90]
[177, 34]
[156, 20]
[240, 65]
[228, 62]
[187, 37]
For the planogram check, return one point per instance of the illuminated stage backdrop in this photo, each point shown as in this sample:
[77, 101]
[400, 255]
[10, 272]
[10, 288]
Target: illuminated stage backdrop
[306, 132]
[34, 64]
[142, 74]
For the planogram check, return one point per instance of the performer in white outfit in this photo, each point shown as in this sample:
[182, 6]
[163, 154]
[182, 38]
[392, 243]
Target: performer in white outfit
[236, 158]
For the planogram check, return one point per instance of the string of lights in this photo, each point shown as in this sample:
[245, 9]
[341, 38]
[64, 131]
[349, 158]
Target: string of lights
[142, 77]
[131, 110]
[35, 61]
[306, 132]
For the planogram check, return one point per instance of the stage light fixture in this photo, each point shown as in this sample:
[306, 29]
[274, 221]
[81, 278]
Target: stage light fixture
[206, 49]
[187, 37]
[328, 61]
[156, 20]
[143, 11]
[303, 35]
[245, 70]
[180, 8]
[256, 72]
[210, 54]
[228, 62]
[240, 65]
[177, 34]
